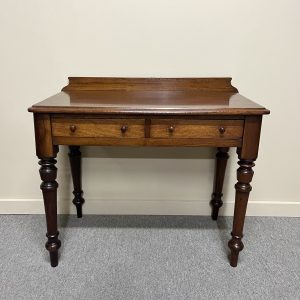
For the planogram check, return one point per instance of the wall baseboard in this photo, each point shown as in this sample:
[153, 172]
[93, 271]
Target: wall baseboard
[150, 207]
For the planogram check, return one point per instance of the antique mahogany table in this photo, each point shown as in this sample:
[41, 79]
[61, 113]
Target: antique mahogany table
[181, 112]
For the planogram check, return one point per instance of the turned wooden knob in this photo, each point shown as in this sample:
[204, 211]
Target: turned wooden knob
[222, 130]
[171, 128]
[124, 128]
[72, 128]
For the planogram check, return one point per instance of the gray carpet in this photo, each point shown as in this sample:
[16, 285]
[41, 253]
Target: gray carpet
[149, 257]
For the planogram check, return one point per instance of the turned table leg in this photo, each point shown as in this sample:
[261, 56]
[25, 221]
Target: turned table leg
[75, 162]
[247, 155]
[221, 162]
[48, 173]
[243, 188]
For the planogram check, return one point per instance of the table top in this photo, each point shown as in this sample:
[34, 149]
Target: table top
[178, 96]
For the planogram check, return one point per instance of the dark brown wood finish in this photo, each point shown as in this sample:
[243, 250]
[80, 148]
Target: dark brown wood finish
[247, 155]
[98, 128]
[43, 136]
[46, 152]
[75, 163]
[48, 173]
[179, 112]
[220, 129]
[150, 96]
[148, 84]
[221, 162]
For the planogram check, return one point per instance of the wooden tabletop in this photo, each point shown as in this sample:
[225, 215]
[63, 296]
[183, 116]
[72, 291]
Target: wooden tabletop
[178, 96]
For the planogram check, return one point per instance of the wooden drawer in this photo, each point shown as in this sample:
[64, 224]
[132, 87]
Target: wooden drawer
[101, 128]
[227, 129]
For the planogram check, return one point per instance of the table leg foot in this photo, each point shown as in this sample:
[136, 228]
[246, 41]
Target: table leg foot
[52, 245]
[75, 163]
[236, 245]
[78, 201]
[221, 162]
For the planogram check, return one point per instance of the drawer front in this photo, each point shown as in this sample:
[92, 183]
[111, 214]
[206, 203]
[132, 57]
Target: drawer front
[180, 129]
[101, 128]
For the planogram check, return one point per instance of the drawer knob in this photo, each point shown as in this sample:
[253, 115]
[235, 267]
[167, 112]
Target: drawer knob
[171, 128]
[72, 128]
[124, 128]
[222, 130]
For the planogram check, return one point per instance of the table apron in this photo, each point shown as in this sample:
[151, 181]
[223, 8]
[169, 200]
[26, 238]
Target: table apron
[147, 142]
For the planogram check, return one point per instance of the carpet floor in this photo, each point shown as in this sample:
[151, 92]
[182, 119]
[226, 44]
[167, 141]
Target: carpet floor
[149, 257]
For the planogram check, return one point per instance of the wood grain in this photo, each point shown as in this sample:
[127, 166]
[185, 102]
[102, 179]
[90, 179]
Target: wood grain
[196, 129]
[251, 137]
[98, 128]
[147, 142]
[43, 136]
[150, 96]
[117, 83]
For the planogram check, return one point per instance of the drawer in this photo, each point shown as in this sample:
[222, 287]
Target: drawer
[228, 129]
[102, 128]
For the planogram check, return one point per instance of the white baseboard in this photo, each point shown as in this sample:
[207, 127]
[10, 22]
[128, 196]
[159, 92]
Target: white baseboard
[150, 207]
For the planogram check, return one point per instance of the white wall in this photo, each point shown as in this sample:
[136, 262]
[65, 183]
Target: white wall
[256, 42]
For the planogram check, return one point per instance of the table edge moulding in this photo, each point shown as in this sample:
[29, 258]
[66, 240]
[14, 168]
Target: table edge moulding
[173, 112]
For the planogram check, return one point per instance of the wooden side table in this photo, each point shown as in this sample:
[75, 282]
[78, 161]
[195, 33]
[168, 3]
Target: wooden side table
[185, 112]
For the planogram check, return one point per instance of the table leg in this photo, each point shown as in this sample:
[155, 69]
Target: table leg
[48, 173]
[247, 155]
[75, 162]
[243, 188]
[221, 162]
